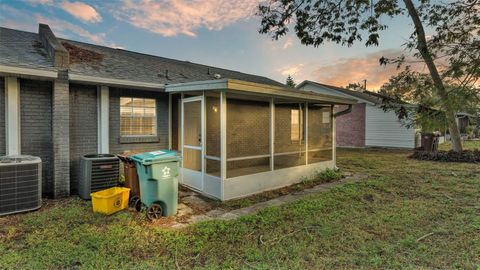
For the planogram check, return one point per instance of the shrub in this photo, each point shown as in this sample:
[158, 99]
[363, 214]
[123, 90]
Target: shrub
[328, 175]
[470, 156]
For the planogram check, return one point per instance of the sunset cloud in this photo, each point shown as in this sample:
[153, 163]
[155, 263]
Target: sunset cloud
[291, 69]
[288, 43]
[81, 11]
[351, 70]
[183, 17]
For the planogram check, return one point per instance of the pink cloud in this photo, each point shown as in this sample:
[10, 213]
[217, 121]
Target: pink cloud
[292, 70]
[288, 43]
[81, 11]
[351, 70]
[171, 18]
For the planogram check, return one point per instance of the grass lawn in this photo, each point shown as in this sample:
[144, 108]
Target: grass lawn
[409, 215]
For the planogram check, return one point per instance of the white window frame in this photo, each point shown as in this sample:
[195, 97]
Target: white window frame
[155, 128]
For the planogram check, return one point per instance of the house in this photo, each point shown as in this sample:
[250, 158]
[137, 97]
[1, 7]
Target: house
[368, 125]
[238, 133]
[464, 120]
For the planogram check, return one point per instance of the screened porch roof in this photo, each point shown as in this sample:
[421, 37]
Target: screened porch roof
[244, 87]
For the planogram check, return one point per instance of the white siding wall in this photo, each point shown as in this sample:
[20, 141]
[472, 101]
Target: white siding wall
[383, 129]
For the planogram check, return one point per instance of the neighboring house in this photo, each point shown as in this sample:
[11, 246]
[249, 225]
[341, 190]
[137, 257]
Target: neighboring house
[368, 125]
[238, 134]
[466, 119]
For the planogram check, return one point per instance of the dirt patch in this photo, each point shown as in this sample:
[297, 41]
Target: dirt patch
[81, 55]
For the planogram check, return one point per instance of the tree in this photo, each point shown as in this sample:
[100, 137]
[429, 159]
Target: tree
[355, 87]
[290, 82]
[452, 51]
[417, 88]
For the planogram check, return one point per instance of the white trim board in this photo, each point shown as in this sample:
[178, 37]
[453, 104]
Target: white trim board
[28, 72]
[243, 186]
[103, 98]
[114, 82]
[12, 116]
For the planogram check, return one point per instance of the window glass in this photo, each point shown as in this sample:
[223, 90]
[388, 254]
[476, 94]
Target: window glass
[295, 125]
[137, 117]
[320, 136]
[289, 146]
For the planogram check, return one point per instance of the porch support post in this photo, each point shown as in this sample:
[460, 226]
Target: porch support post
[170, 121]
[334, 136]
[223, 141]
[12, 116]
[272, 134]
[103, 119]
[306, 132]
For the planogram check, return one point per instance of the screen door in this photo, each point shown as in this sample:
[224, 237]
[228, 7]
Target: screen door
[192, 150]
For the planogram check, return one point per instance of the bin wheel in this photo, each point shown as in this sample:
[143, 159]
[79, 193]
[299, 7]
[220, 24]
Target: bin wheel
[154, 211]
[133, 200]
[136, 203]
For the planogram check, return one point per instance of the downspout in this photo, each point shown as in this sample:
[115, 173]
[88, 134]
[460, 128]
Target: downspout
[348, 110]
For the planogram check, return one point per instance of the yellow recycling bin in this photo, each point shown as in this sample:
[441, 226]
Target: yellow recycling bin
[110, 200]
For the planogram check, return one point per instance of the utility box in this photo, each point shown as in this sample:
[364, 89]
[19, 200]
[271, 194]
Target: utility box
[98, 172]
[20, 184]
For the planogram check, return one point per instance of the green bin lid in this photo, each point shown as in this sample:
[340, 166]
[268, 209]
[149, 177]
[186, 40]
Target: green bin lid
[159, 156]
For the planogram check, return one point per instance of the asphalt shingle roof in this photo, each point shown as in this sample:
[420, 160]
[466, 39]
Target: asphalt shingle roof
[23, 49]
[361, 95]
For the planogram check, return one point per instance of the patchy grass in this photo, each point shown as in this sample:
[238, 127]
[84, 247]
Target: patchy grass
[410, 214]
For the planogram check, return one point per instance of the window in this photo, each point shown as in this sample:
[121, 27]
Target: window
[295, 125]
[138, 117]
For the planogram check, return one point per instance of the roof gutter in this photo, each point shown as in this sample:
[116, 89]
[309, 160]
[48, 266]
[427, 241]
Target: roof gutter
[20, 71]
[348, 110]
[115, 82]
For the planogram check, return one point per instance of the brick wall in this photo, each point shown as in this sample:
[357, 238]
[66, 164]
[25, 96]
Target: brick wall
[36, 126]
[83, 128]
[2, 118]
[61, 137]
[351, 127]
[116, 146]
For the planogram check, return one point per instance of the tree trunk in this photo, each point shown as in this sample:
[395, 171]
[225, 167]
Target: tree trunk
[437, 80]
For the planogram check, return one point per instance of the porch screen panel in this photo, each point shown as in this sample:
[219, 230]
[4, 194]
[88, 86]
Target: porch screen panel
[212, 150]
[290, 149]
[248, 137]
[192, 124]
[319, 133]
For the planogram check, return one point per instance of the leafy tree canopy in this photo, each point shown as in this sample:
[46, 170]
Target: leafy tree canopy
[355, 87]
[451, 53]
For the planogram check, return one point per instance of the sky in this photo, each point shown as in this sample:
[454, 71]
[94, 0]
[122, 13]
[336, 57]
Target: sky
[222, 33]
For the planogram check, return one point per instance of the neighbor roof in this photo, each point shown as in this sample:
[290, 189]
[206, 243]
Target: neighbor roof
[244, 87]
[376, 99]
[23, 49]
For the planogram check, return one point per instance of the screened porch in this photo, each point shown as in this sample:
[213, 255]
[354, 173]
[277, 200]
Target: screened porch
[238, 138]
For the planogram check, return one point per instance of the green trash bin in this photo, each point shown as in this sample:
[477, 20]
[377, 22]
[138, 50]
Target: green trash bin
[158, 178]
